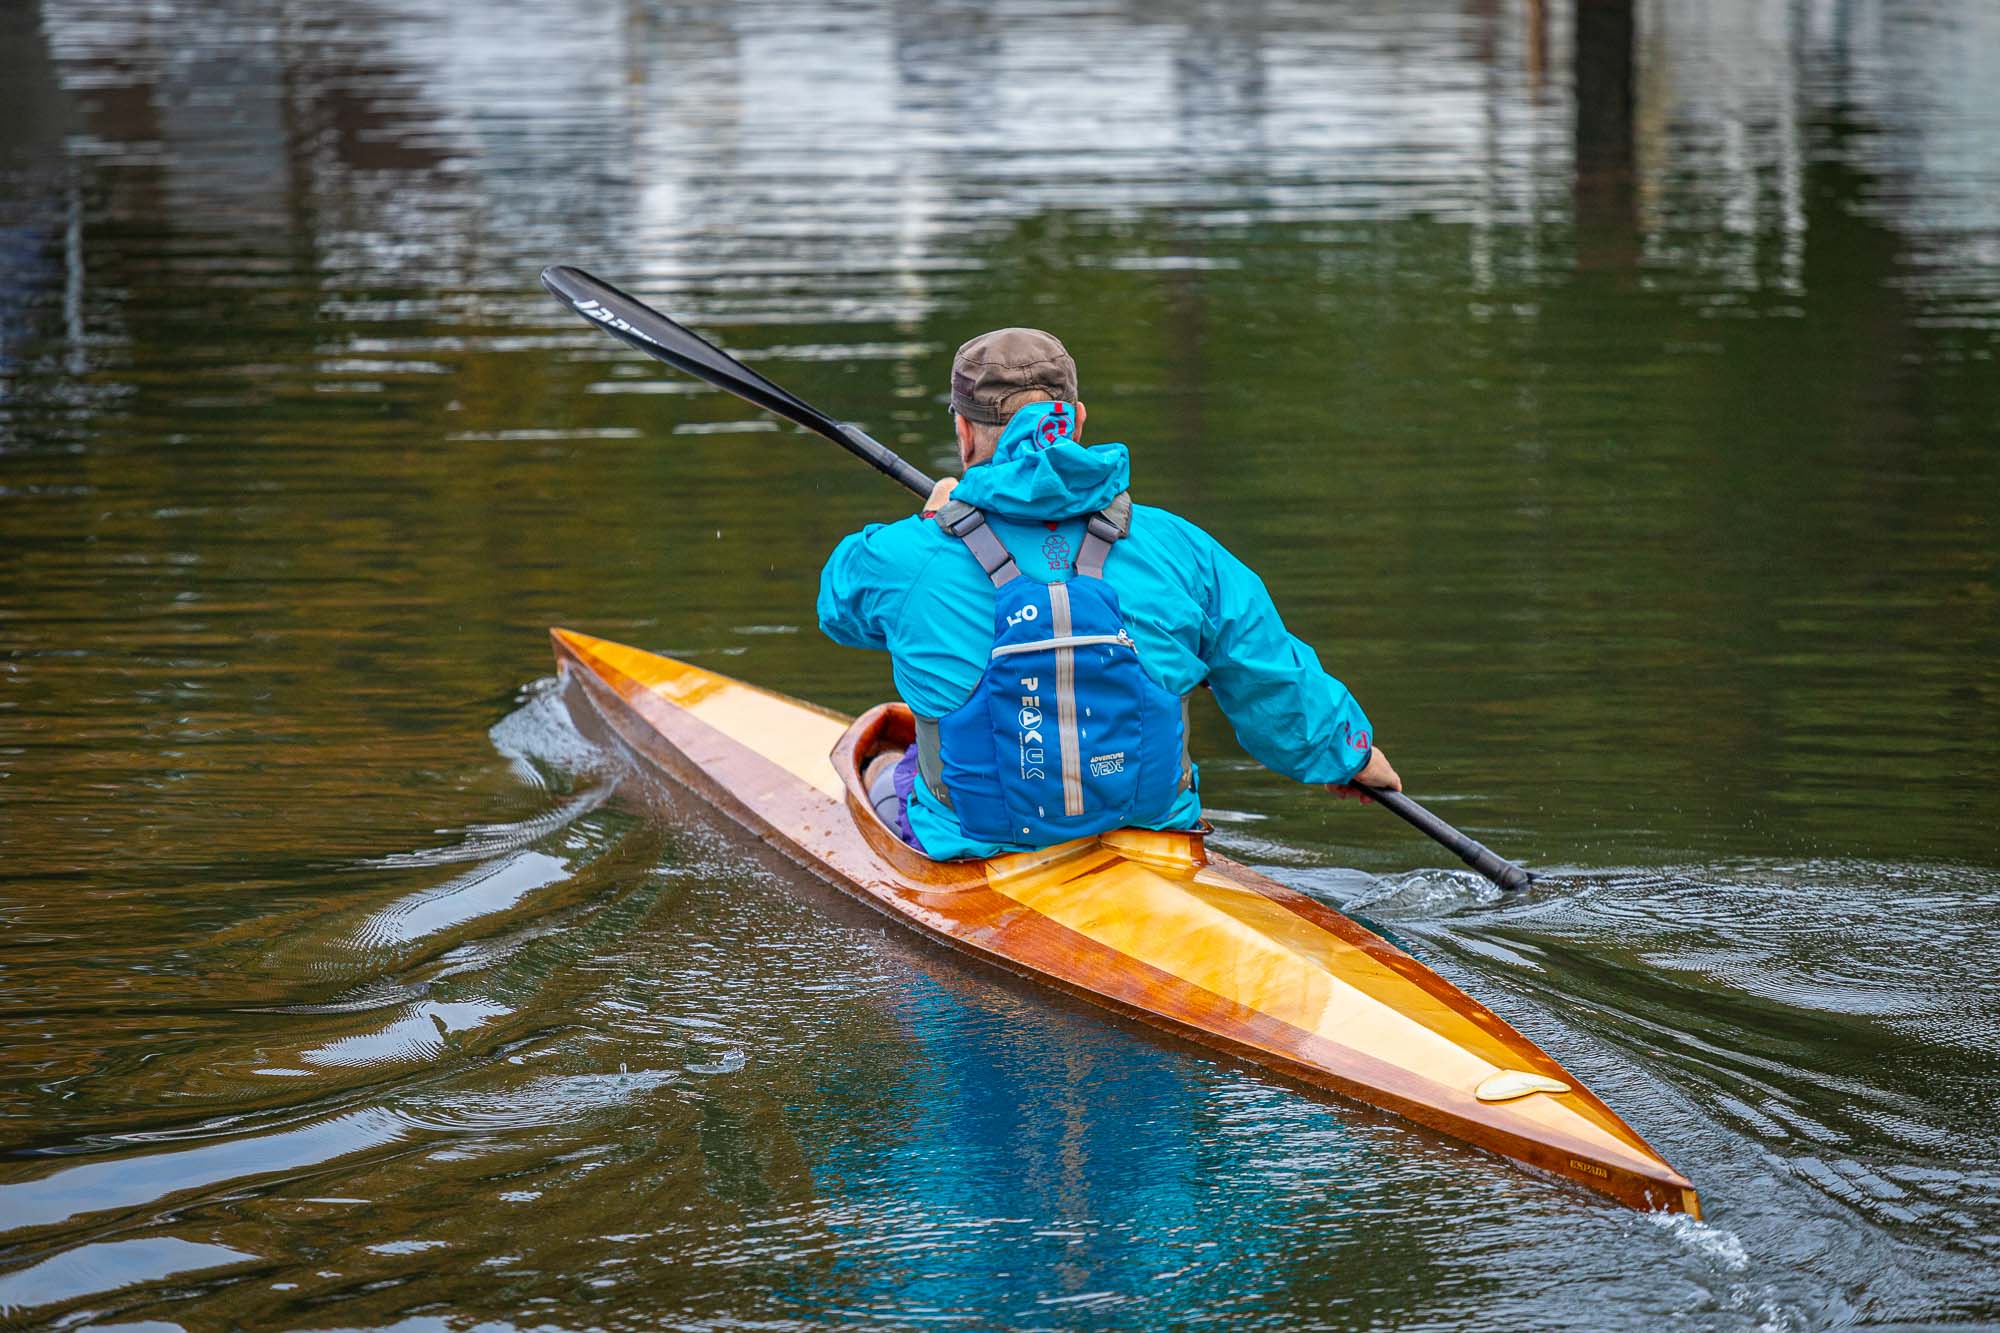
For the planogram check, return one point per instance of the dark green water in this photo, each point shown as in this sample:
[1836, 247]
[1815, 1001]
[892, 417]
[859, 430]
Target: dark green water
[1638, 472]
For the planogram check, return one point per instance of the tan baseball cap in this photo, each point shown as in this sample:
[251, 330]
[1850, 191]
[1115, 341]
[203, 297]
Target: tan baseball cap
[999, 372]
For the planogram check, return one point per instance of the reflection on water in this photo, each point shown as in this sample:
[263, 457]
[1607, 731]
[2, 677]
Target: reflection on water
[1608, 389]
[89, 1270]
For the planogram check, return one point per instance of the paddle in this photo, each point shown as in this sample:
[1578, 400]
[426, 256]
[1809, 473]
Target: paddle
[645, 328]
[638, 324]
[1469, 850]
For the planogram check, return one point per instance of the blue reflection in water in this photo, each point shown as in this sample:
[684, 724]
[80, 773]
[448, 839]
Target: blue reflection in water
[1046, 1158]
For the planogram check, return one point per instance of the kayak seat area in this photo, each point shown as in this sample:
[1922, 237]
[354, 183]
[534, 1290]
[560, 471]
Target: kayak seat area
[877, 760]
[888, 776]
[878, 775]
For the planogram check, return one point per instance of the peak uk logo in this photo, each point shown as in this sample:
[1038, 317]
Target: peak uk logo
[1033, 755]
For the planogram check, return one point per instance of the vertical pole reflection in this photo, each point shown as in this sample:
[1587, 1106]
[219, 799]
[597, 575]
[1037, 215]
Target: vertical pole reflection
[1604, 193]
[1537, 45]
[73, 331]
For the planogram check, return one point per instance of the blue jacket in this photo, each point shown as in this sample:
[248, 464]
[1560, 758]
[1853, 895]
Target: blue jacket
[1196, 612]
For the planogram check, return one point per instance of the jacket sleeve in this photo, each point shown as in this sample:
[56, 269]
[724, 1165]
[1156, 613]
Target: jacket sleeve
[857, 595]
[1286, 710]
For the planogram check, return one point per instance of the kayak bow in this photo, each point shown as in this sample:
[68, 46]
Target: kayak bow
[1147, 924]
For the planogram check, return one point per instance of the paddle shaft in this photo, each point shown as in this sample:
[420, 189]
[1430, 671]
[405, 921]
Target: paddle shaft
[1469, 850]
[637, 324]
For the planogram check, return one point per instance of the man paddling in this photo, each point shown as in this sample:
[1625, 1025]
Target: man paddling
[1047, 632]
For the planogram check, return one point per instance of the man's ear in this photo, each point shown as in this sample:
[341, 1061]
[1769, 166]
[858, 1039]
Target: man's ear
[964, 429]
[1082, 415]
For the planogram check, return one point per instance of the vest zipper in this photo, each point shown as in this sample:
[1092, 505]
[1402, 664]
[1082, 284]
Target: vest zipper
[1072, 762]
[1063, 641]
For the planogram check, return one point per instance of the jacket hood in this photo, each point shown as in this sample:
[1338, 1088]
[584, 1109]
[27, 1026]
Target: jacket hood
[1040, 471]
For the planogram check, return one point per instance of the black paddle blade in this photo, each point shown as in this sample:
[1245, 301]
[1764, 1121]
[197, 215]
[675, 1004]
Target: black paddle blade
[637, 324]
[631, 320]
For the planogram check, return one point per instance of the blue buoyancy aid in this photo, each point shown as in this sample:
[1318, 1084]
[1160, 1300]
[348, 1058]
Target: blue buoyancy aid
[1066, 734]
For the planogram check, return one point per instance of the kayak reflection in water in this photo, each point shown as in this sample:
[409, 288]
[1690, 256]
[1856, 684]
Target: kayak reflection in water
[1047, 633]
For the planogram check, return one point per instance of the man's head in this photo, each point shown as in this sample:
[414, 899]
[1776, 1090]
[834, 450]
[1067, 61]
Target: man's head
[998, 373]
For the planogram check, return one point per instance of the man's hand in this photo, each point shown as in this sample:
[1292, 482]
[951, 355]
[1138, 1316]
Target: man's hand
[940, 493]
[1375, 773]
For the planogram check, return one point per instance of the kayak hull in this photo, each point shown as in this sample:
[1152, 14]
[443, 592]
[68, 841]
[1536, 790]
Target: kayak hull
[1147, 924]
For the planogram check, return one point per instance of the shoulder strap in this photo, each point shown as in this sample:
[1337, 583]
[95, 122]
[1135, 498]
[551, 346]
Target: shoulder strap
[1106, 526]
[969, 526]
[930, 759]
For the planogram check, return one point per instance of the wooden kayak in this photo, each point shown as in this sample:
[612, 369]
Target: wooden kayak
[1147, 924]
